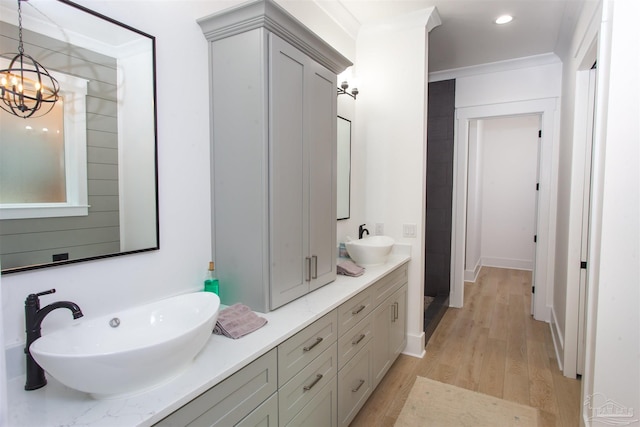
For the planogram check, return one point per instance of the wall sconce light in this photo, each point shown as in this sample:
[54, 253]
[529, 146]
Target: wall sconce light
[342, 90]
[26, 85]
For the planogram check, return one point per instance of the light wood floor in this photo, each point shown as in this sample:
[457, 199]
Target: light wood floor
[492, 346]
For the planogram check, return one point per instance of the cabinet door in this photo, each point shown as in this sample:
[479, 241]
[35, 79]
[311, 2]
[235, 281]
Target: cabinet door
[398, 329]
[320, 137]
[389, 332]
[381, 316]
[288, 178]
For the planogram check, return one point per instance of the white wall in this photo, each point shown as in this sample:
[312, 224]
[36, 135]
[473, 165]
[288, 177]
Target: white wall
[136, 168]
[527, 81]
[184, 183]
[613, 342]
[510, 162]
[391, 128]
[346, 109]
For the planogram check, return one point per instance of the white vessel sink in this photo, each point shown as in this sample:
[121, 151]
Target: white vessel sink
[370, 251]
[150, 345]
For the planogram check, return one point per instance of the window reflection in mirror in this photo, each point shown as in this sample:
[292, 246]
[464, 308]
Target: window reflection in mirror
[107, 161]
[344, 168]
[32, 164]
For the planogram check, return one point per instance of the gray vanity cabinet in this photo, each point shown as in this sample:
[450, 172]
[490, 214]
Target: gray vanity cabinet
[372, 333]
[320, 376]
[273, 125]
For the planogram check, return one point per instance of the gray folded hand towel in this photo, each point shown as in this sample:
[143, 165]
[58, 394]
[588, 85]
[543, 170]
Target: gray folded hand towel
[349, 268]
[237, 321]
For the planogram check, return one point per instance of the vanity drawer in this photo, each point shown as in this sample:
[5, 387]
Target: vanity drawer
[355, 385]
[388, 285]
[265, 415]
[299, 350]
[354, 340]
[303, 387]
[354, 310]
[231, 400]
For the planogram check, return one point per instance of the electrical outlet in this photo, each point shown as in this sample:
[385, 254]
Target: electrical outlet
[379, 229]
[409, 230]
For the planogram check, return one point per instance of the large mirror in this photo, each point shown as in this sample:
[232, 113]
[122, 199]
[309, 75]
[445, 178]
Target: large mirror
[344, 168]
[79, 183]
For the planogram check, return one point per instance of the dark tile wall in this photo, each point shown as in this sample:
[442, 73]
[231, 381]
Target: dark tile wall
[440, 127]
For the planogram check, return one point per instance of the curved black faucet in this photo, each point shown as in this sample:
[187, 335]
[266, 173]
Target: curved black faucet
[34, 316]
[362, 230]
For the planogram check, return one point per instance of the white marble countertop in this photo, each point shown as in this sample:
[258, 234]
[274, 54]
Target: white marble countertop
[58, 405]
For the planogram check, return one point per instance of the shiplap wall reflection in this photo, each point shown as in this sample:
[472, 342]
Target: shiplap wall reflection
[35, 241]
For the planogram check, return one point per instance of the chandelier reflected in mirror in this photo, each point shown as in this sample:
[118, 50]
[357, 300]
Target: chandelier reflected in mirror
[27, 88]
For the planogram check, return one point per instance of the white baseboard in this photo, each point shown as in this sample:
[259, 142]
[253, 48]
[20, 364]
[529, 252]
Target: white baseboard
[415, 345]
[472, 275]
[514, 264]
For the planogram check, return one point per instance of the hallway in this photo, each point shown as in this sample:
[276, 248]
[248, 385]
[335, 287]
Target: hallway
[492, 346]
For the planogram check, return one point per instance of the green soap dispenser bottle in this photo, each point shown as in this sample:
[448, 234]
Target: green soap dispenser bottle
[211, 284]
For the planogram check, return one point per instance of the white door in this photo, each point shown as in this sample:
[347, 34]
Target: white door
[535, 222]
[586, 202]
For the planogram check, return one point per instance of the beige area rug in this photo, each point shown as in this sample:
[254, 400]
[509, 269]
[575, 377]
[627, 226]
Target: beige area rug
[432, 403]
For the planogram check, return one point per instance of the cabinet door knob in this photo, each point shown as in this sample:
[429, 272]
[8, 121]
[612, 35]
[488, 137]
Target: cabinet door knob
[310, 347]
[310, 386]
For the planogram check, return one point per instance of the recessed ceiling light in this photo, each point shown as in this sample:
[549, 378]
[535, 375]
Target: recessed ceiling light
[504, 19]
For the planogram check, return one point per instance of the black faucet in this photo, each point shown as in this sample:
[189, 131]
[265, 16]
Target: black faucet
[362, 230]
[34, 316]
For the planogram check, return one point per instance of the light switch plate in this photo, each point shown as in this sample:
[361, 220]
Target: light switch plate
[409, 230]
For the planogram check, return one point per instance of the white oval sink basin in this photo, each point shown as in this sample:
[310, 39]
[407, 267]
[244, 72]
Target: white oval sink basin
[370, 251]
[150, 345]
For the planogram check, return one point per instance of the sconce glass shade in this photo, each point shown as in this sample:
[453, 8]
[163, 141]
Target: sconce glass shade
[342, 90]
[27, 88]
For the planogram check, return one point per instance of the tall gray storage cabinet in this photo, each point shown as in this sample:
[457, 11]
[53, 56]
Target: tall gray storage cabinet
[273, 115]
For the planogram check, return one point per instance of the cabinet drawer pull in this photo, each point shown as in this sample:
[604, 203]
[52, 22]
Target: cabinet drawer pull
[314, 261]
[358, 310]
[355, 390]
[308, 260]
[357, 341]
[310, 347]
[310, 386]
[397, 310]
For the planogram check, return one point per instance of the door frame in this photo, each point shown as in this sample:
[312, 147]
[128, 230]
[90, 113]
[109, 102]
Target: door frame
[570, 347]
[547, 196]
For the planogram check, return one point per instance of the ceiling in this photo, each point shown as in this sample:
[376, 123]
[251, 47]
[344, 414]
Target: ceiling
[468, 35]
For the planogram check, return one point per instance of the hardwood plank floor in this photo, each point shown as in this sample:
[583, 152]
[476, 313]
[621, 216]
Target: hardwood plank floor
[492, 345]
